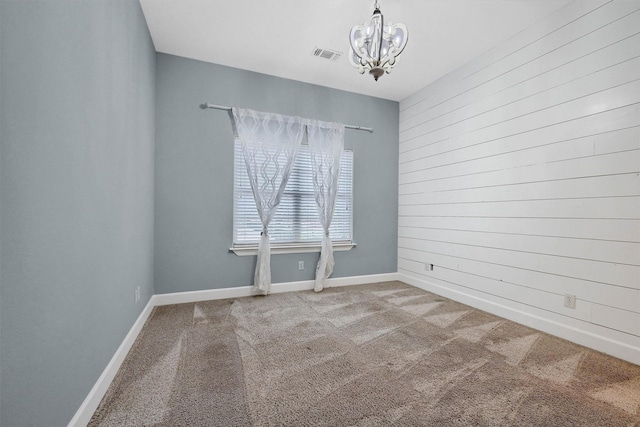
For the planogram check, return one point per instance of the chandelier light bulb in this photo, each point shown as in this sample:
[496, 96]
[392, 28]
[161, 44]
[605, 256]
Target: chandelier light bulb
[375, 46]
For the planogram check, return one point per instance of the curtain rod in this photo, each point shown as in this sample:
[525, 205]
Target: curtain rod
[222, 107]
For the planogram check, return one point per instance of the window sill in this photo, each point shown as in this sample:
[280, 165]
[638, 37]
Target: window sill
[291, 249]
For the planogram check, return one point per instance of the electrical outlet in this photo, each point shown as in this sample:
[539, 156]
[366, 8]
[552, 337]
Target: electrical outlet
[428, 267]
[300, 265]
[136, 295]
[570, 301]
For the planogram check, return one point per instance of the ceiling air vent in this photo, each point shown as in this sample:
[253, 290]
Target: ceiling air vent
[326, 54]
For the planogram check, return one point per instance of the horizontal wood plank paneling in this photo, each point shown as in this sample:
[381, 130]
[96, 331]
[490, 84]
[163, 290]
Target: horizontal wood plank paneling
[580, 167]
[591, 125]
[573, 40]
[602, 207]
[597, 271]
[547, 80]
[504, 107]
[597, 250]
[519, 174]
[618, 296]
[553, 23]
[599, 186]
[588, 229]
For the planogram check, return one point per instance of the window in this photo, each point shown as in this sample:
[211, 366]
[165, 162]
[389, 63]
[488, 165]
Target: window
[296, 222]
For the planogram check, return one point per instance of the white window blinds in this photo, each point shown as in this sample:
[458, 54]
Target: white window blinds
[296, 221]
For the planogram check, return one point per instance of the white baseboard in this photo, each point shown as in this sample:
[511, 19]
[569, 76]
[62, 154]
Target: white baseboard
[276, 288]
[91, 402]
[552, 327]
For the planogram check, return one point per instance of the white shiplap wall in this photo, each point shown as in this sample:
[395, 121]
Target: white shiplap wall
[520, 178]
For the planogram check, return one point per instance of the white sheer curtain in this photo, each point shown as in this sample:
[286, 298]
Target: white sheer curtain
[270, 144]
[326, 143]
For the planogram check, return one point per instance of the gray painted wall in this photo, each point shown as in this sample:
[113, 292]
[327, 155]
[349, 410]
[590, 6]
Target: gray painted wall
[77, 120]
[194, 174]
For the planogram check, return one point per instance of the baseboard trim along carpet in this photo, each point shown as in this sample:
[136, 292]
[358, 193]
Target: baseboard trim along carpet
[91, 402]
[579, 336]
[276, 288]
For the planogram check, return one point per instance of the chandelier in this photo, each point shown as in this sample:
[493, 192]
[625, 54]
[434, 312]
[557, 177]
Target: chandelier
[376, 46]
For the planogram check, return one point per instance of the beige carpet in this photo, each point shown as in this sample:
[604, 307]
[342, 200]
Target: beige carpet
[385, 354]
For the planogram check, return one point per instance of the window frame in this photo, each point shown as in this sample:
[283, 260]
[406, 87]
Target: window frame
[247, 249]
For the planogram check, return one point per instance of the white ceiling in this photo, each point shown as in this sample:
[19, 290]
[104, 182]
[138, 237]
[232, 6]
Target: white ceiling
[277, 37]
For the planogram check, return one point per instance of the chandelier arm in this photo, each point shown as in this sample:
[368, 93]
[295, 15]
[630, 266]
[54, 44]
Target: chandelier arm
[381, 36]
[362, 54]
[352, 41]
[405, 37]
